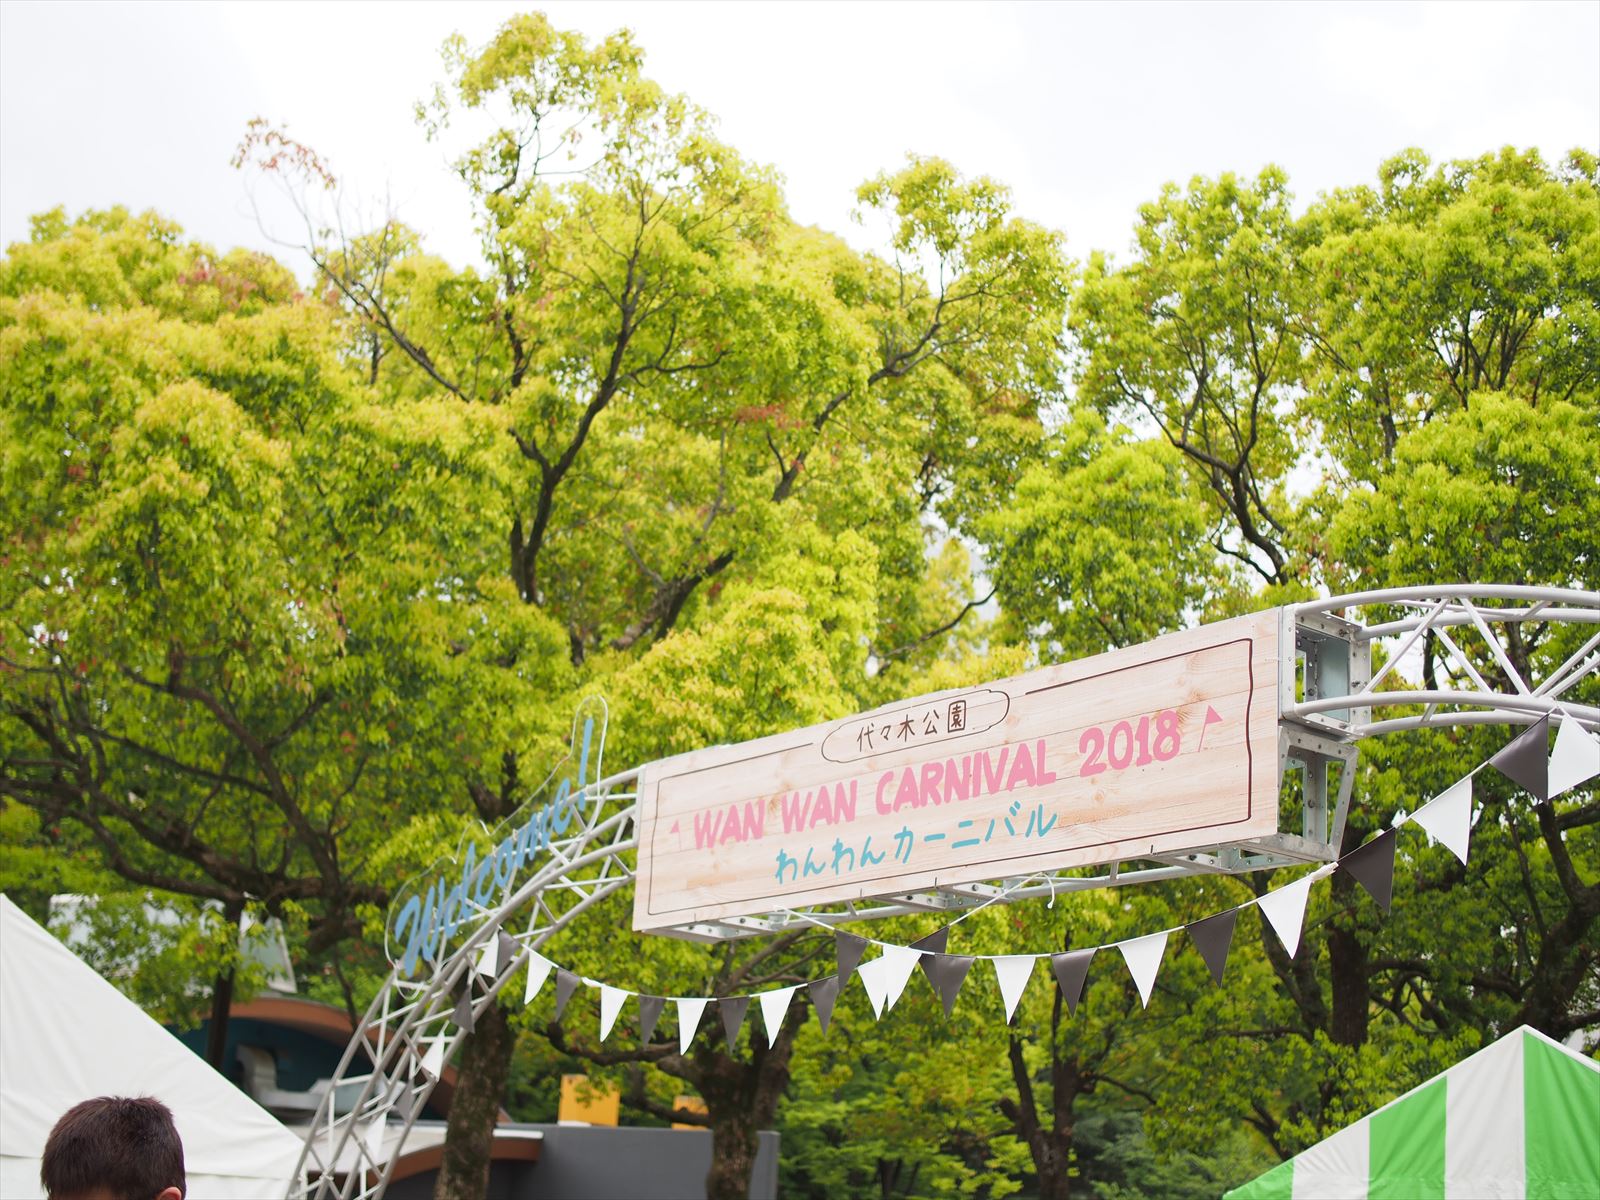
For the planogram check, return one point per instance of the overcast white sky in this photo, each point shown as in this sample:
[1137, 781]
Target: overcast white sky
[1084, 109]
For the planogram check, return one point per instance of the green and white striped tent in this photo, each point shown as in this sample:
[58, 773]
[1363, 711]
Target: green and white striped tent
[1521, 1117]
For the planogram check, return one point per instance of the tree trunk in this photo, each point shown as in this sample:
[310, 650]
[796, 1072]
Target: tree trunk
[222, 997]
[1054, 1168]
[1351, 986]
[741, 1091]
[217, 1031]
[1349, 976]
[1561, 969]
[475, 1107]
[729, 1089]
[733, 1158]
[742, 1099]
[1066, 1085]
[1049, 1145]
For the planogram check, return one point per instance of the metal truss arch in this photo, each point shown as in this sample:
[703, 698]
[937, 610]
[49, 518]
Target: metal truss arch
[394, 1060]
[1500, 623]
[1489, 643]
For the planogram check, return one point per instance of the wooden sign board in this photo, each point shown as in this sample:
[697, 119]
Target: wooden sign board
[1166, 746]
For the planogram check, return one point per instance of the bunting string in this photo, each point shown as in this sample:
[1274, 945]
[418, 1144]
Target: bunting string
[1446, 819]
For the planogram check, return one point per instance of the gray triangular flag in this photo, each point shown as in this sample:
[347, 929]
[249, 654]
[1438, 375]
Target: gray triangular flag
[1447, 817]
[566, 984]
[1576, 758]
[690, 1010]
[462, 1015]
[1285, 910]
[1212, 937]
[1525, 759]
[946, 972]
[1072, 968]
[611, 1001]
[1143, 956]
[498, 952]
[1372, 866]
[933, 944]
[823, 993]
[508, 948]
[649, 1013]
[732, 1009]
[849, 948]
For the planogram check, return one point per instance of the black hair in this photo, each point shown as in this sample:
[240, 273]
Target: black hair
[127, 1147]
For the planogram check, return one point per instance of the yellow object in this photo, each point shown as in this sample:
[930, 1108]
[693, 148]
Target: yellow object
[588, 1102]
[691, 1104]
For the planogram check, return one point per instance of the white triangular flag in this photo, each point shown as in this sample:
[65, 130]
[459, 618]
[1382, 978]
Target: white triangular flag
[773, 1007]
[1143, 956]
[539, 968]
[1448, 817]
[690, 1010]
[1576, 757]
[1285, 910]
[610, 1005]
[372, 1138]
[874, 979]
[1012, 972]
[433, 1060]
[902, 961]
[489, 960]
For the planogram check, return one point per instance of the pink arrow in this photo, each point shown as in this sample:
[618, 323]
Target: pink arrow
[1212, 716]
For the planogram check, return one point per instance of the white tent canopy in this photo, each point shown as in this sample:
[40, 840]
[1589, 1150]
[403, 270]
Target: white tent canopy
[1520, 1118]
[67, 1035]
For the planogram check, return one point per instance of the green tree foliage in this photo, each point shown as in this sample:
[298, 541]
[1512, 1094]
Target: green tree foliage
[718, 424]
[1071, 552]
[1444, 377]
[246, 611]
[1508, 487]
[1484, 474]
[1444, 282]
[1199, 335]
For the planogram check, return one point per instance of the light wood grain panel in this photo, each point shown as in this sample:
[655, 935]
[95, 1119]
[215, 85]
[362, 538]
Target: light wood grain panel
[974, 784]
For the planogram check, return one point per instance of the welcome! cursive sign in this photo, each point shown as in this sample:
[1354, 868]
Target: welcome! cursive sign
[456, 893]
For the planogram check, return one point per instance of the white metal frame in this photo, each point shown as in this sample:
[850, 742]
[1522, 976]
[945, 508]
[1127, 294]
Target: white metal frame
[412, 1027]
[1327, 695]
